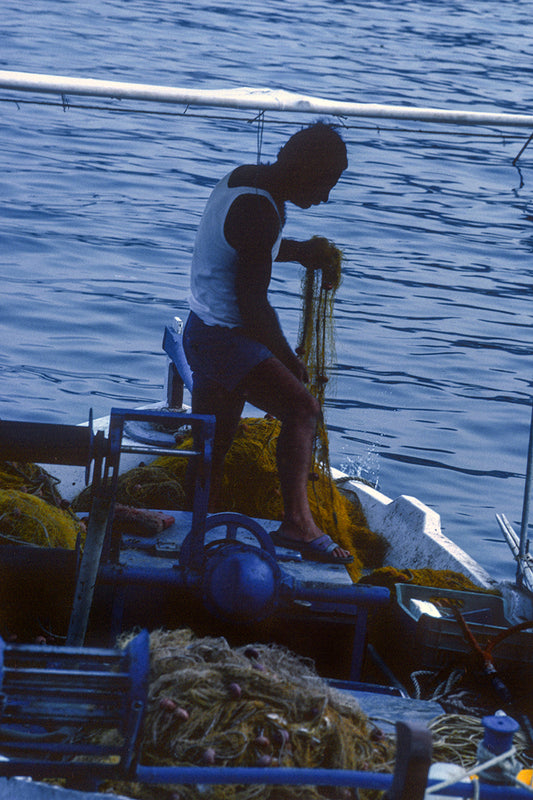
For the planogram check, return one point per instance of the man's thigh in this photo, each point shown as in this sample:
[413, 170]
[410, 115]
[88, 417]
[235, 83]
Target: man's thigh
[273, 388]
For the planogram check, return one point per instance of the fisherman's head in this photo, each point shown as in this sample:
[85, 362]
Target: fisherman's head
[312, 162]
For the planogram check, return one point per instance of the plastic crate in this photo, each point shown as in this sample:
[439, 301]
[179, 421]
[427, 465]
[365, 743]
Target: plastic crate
[439, 640]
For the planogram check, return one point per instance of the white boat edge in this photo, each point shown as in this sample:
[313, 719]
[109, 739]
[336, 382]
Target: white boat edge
[413, 531]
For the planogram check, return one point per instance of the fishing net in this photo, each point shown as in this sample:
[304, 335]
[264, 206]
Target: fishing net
[27, 519]
[316, 340]
[146, 486]
[260, 705]
[251, 486]
[436, 578]
[31, 479]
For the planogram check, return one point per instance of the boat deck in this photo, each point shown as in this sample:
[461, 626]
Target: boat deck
[148, 551]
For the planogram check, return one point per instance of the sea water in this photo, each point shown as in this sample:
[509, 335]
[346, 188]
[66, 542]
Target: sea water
[100, 201]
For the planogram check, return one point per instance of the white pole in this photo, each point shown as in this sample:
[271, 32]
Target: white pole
[250, 98]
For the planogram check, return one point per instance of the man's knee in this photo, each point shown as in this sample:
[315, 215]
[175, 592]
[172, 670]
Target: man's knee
[306, 407]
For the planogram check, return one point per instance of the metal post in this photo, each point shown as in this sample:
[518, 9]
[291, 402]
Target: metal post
[90, 562]
[525, 509]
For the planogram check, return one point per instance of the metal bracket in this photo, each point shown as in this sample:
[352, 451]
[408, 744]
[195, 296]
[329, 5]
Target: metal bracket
[413, 759]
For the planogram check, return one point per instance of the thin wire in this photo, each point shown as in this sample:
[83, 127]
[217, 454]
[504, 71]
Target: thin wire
[272, 120]
[515, 159]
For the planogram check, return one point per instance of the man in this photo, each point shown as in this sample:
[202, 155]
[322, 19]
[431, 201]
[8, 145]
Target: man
[233, 339]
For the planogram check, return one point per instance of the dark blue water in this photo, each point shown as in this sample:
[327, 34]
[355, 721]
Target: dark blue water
[98, 210]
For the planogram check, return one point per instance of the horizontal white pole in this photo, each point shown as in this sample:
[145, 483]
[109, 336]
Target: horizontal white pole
[250, 98]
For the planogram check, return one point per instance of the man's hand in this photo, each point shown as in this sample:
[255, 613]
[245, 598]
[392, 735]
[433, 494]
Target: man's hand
[317, 253]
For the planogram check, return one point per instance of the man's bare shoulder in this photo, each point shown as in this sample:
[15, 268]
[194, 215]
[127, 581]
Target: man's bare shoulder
[245, 175]
[252, 222]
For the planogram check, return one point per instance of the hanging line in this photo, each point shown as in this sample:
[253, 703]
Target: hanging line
[515, 159]
[260, 131]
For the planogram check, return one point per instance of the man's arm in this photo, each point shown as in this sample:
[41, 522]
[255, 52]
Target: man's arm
[252, 227]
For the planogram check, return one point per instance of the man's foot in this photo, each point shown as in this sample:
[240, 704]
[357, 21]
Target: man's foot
[322, 548]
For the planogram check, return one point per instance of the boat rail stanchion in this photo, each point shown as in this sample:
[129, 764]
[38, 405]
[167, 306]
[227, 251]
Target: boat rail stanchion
[88, 570]
[413, 760]
[523, 544]
[519, 543]
[102, 543]
[90, 561]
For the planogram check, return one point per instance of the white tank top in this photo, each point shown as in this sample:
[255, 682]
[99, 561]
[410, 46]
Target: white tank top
[214, 261]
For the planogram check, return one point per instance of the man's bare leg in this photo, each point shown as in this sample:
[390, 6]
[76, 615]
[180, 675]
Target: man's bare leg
[273, 388]
[227, 409]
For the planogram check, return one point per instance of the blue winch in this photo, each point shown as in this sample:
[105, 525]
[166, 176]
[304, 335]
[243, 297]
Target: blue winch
[239, 581]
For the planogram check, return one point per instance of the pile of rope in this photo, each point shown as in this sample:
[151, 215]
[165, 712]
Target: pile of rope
[456, 738]
[260, 705]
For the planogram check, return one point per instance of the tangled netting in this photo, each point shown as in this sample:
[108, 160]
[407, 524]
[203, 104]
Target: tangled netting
[436, 578]
[259, 705]
[31, 510]
[316, 337]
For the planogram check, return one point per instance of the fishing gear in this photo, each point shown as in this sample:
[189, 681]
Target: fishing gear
[485, 659]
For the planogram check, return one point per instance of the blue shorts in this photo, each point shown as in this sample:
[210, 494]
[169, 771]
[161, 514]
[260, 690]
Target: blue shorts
[220, 354]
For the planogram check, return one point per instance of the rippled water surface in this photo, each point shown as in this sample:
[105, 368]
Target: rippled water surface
[99, 206]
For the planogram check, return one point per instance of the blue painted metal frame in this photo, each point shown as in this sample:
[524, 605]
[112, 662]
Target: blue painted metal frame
[203, 430]
[45, 687]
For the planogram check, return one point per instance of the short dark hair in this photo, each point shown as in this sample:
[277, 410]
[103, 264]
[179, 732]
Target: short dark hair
[315, 145]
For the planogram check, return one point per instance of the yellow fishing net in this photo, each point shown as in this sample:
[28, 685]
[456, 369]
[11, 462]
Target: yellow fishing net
[259, 705]
[146, 486]
[26, 519]
[31, 479]
[436, 578]
[31, 509]
[251, 486]
[316, 338]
